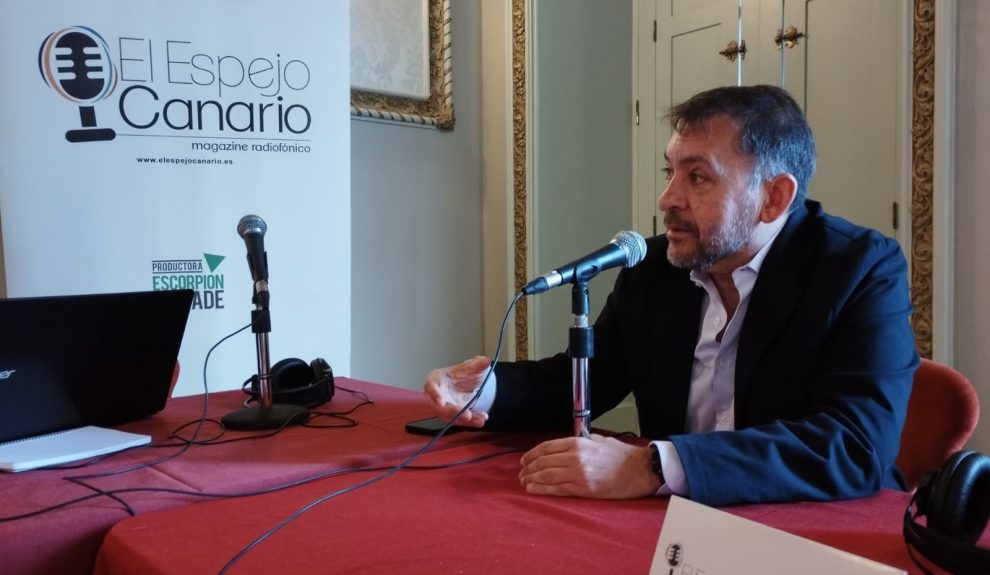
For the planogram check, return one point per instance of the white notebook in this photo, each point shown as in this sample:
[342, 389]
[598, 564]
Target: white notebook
[66, 446]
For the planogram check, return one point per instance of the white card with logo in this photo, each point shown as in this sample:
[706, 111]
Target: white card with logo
[700, 540]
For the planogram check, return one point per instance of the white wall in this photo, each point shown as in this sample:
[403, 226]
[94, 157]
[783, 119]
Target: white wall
[582, 146]
[416, 225]
[972, 212]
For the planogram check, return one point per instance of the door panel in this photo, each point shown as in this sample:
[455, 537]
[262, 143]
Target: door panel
[850, 72]
[690, 36]
[845, 73]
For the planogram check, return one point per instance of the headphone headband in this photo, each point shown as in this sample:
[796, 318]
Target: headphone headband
[295, 382]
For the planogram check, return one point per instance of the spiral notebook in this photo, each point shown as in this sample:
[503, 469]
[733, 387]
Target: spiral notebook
[66, 446]
[71, 365]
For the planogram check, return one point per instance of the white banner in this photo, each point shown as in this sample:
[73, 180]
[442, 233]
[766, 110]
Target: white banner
[135, 135]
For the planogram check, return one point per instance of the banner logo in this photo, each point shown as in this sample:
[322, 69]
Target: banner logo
[674, 555]
[225, 102]
[206, 283]
[76, 63]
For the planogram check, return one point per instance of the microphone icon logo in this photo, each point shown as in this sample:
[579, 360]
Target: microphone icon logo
[75, 62]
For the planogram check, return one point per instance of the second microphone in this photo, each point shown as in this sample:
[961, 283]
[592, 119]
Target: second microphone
[626, 249]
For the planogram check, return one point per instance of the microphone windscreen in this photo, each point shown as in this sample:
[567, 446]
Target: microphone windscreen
[633, 245]
[251, 224]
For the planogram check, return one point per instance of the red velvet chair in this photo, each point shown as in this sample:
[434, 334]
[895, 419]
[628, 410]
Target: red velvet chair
[942, 414]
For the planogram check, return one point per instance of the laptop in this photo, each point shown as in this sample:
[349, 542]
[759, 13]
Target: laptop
[69, 362]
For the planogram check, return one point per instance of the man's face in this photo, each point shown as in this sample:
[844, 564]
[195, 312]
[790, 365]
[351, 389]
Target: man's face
[710, 202]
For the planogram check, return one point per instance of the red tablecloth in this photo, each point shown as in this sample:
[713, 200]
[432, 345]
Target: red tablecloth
[473, 518]
[66, 541]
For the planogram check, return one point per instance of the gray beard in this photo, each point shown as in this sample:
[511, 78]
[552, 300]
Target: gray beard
[728, 240]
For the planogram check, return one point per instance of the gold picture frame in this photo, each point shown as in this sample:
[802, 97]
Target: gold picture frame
[435, 111]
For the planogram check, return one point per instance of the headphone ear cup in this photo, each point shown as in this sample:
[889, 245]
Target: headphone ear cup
[323, 378]
[290, 373]
[957, 502]
[933, 491]
[320, 369]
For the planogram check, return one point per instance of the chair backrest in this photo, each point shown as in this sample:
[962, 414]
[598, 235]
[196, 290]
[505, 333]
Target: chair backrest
[942, 414]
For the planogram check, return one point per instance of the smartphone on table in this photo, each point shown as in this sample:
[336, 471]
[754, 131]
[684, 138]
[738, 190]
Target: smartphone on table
[429, 426]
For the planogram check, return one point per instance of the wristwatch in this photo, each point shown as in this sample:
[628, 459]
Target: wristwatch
[655, 461]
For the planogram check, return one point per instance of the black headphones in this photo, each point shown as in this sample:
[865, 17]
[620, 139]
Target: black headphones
[956, 501]
[296, 382]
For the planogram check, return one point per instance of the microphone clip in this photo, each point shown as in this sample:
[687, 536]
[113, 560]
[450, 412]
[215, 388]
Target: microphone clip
[261, 296]
[261, 321]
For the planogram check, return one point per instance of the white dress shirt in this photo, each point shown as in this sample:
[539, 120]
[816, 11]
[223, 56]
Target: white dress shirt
[711, 400]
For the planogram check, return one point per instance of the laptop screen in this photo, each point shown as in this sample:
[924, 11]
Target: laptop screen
[102, 359]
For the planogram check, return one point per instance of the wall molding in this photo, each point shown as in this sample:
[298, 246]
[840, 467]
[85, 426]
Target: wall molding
[922, 174]
[519, 171]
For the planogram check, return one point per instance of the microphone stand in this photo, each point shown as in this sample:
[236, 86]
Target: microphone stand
[264, 415]
[580, 348]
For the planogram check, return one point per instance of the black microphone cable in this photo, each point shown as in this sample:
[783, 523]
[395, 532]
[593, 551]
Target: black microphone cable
[339, 415]
[184, 445]
[391, 470]
[344, 416]
[263, 491]
[388, 469]
[113, 494]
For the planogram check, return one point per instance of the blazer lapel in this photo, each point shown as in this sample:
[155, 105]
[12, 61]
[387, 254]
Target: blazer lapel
[775, 295]
[674, 319]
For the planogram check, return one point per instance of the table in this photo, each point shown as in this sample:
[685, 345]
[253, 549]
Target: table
[472, 518]
[66, 541]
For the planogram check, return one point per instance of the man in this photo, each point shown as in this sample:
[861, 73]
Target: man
[767, 344]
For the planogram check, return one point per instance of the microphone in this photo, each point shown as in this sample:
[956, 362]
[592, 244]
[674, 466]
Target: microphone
[626, 249]
[252, 229]
[266, 414]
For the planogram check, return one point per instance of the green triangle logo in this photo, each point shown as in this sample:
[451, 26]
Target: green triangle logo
[213, 261]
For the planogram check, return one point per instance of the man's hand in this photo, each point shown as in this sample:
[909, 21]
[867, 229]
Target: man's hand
[449, 389]
[596, 467]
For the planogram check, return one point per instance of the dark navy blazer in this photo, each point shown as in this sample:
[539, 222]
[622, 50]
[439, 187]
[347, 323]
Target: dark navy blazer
[823, 371]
